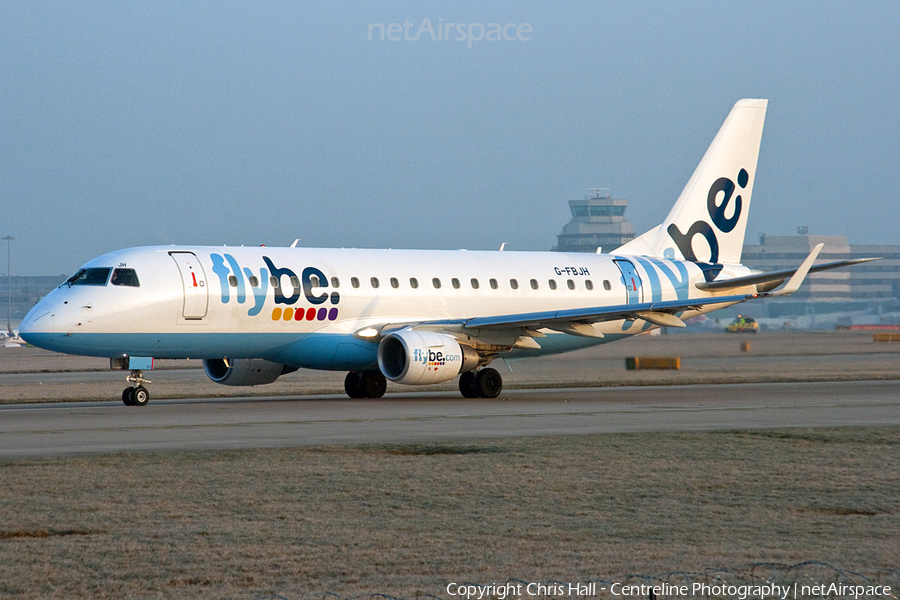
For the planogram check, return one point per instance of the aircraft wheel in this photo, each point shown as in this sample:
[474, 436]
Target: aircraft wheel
[488, 383]
[353, 385]
[141, 396]
[128, 396]
[467, 385]
[373, 384]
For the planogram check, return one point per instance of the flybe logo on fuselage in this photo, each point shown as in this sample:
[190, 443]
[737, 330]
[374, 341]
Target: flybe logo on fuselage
[716, 212]
[247, 284]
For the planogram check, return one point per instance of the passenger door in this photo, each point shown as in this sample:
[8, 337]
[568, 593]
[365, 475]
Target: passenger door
[193, 279]
[632, 281]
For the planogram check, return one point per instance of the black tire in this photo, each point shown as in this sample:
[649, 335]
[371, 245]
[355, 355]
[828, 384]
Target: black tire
[373, 384]
[128, 396]
[140, 396]
[353, 385]
[467, 385]
[488, 383]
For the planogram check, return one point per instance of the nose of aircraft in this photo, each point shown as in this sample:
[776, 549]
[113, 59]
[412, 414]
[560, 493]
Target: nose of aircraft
[37, 322]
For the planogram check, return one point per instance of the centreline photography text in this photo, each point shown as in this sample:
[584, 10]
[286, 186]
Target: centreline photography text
[593, 589]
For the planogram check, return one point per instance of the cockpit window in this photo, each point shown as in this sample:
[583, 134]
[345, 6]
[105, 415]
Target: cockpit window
[125, 277]
[89, 277]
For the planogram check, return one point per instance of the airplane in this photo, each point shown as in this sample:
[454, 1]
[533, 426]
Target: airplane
[11, 339]
[416, 317]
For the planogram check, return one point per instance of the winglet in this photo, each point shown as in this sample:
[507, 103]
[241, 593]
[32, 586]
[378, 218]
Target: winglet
[794, 282]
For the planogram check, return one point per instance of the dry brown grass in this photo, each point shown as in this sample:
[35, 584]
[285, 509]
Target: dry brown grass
[406, 518]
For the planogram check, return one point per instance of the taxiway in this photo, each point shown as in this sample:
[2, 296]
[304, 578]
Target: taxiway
[41, 430]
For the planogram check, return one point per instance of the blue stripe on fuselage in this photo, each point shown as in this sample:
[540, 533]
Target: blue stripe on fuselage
[313, 351]
[168, 345]
[327, 351]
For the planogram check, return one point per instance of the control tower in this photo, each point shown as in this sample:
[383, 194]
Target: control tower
[598, 221]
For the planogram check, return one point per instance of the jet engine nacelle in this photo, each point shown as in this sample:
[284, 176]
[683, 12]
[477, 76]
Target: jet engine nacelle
[244, 371]
[423, 357]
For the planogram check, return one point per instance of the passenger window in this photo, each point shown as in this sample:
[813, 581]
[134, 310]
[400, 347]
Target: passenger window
[127, 277]
[413, 283]
[274, 281]
[606, 285]
[313, 281]
[374, 281]
[354, 281]
[335, 282]
[455, 283]
[395, 283]
[89, 277]
[588, 284]
[295, 282]
[534, 284]
[253, 279]
[552, 284]
[493, 283]
[437, 283]
[514, 284]
[232, 281]
[570, 284]
[474, 284]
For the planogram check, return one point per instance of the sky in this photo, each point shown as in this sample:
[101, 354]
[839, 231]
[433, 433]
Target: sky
[141, 123]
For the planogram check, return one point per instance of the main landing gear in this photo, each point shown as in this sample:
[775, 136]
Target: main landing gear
[136, 395]
[484, 383]
[365, 384]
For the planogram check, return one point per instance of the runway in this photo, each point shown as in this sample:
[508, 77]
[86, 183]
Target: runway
[42, 430]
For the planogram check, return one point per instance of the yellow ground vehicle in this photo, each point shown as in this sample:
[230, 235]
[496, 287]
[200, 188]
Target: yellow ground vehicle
[743, 324]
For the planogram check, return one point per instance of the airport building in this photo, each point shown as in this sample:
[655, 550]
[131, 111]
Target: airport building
[598, 221]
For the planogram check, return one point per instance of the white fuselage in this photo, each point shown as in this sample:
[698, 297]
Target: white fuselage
[305, 307]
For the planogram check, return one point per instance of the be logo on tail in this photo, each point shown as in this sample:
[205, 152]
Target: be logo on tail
[721, 188]
[711, 211]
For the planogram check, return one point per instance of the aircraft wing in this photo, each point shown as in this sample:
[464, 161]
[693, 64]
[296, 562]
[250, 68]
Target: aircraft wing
[661, 313]
[575, 321]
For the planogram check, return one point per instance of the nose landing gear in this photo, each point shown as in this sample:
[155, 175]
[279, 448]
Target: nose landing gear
[136, 395]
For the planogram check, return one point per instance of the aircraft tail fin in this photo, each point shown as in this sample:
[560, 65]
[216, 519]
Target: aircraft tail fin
[709, 219]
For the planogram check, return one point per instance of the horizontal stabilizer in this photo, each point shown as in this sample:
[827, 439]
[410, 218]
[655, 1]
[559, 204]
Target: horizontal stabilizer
[773, 276]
